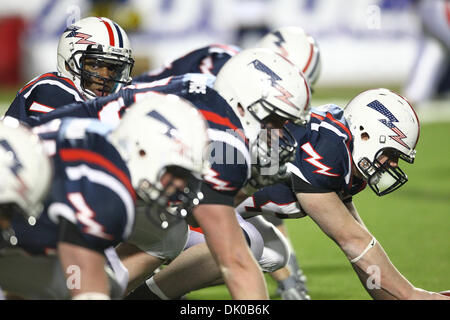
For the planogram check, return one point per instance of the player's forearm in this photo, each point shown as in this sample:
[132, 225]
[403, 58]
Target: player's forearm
[245, 281]
[375, 293]
[380, 277]
[227, 243]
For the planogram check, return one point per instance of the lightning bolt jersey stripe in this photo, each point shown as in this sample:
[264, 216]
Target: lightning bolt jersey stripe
[324, 154]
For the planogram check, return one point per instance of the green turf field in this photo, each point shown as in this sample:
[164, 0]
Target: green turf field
[412, 224]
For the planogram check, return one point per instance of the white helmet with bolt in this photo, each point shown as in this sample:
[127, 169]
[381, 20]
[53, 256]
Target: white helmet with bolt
[102, 42]
[297, 46]
[257, 83]
[162, 133]
[26, 173]
[261, 85]
[382, 123]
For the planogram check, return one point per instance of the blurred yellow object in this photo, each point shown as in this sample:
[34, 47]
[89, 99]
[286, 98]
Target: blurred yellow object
[124, 14]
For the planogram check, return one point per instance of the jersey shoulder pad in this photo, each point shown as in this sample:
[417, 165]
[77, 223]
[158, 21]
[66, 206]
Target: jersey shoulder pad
[323, 157]
[42, 95]
[49, 83]
[330, 117]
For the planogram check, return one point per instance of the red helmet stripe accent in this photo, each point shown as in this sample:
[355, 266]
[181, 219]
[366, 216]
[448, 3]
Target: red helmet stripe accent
[415, 114]
[307, 92]
[110, 32]
[447, 11]
[311, 53]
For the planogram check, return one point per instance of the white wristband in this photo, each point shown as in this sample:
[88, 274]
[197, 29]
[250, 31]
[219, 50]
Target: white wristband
[91, 296]
[155, 289]
[372, 243]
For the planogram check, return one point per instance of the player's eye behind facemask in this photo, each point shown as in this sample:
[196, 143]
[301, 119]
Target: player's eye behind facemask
[169, 200]
[382, 177]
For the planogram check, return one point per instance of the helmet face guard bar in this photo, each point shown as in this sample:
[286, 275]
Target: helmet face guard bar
[382, 178]
[273, 150]
[159, 202]
[285, 148]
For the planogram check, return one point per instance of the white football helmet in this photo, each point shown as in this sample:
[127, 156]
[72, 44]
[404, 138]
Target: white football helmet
[258, 83]
[101, 42]
[382, 123]
[297, 46]
[25, 170]
[162, 133]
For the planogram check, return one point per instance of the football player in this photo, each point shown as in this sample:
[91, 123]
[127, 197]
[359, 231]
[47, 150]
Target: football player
[255, 89]
[340, 152]
[297, 46]
[79, 198]
[93, 59]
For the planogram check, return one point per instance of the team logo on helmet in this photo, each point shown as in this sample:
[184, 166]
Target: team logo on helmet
[15, 167]
[74, 34]
[389, 122]
[285, 95]
[279, 43]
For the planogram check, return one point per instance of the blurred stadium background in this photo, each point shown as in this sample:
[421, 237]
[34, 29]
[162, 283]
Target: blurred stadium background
[364, 44]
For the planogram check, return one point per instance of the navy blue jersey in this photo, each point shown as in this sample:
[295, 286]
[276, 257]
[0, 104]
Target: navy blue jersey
[208, 60]
[324, 155]
[43, 94]
[91, 189]
[278, 200]
[322, 163]
[230, 156]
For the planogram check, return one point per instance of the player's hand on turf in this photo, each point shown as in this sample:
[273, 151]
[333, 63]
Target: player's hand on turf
[420, 294]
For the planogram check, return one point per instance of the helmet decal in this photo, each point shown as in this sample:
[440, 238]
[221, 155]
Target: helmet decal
[158, 116]
[263, 68]
[17, 165]
[279, 43]
[399, 135]
[74, 34]
[285, 95]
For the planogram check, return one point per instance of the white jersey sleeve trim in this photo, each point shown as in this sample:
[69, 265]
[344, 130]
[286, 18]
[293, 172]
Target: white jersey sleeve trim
[52, 82]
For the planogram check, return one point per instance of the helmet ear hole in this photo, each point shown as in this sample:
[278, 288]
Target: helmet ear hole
[365, 136]
[241, 110]
[142, 152]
